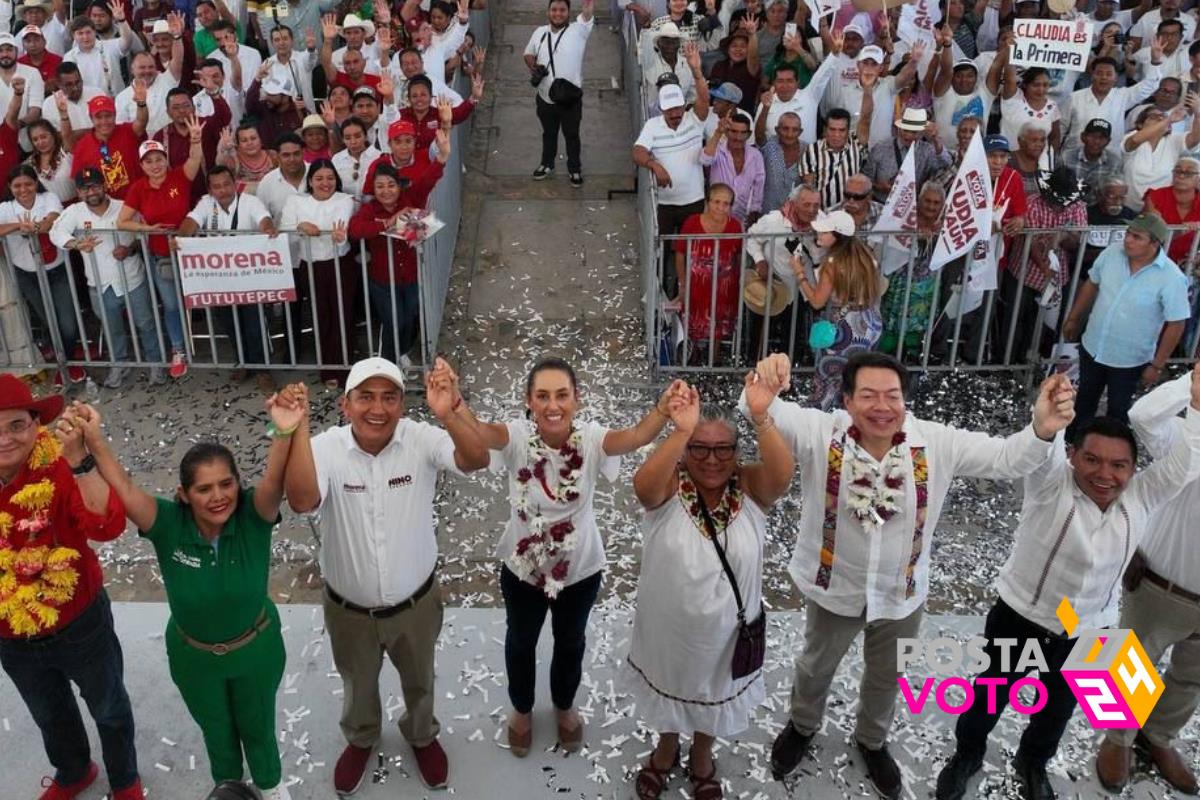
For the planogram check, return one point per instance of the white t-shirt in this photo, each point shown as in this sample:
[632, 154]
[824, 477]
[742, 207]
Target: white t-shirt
[156, 103]
[20, 246]
[587, 557]
[1015, 112]
[952, 108]
[248, 57]
[849, 96]
[568, 45]
[35, 89]
[678, 151]
[1149, 168]
[81, 120]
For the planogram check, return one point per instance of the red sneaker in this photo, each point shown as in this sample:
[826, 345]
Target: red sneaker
[131, 792]
[58, 791]
[432, 764]
[351, 769]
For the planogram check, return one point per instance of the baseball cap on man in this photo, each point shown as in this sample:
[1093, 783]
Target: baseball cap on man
[30, 30]
[871, 53]
[89, 176]
[273, 85]
[729, 92]
[8, 40]
[1099, 126]
[996, 143]
[401, 127]
[965, 63]
[670, 97]
[374, 367]
[1152, 225]
[854, 28]
[101, 103]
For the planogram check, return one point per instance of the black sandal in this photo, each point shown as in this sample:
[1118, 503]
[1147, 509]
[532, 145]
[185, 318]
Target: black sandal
[706, 788]
[651, 781]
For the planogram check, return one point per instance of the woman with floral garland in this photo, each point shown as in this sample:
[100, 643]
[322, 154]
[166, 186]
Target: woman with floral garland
[552, 550]
[56, 624]
[213, 542]
[706, 518]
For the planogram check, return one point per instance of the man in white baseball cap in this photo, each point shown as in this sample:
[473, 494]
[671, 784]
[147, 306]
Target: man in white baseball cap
[374, 480]
[880, 102]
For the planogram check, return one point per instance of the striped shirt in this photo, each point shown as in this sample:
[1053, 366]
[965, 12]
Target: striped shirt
[831, 168]
[678, 150]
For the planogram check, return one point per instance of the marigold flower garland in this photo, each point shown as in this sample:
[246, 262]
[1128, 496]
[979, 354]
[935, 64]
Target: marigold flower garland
[37, 578]
[722, 515]
[543, 557]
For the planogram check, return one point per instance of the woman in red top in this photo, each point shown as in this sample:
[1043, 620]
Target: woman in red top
[393, 275]
[1177, 205]
[709, 259]
[425, 117]
[163, 199]
[56, 625]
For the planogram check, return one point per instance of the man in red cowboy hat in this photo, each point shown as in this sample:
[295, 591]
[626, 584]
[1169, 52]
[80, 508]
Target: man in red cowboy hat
[56, 625]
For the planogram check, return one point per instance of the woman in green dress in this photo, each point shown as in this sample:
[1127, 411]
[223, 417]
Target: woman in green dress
[213, 542]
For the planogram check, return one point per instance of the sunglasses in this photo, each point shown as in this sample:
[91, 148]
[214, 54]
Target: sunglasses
[856, 196]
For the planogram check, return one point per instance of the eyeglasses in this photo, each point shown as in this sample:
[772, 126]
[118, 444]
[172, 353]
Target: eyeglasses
[856, 195]
[17, 427]
[1179, 171]
[723, 452]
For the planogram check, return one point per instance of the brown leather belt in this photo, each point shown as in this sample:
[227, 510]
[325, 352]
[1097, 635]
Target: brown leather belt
[1171, 588]
[383, 612]
[237, 643]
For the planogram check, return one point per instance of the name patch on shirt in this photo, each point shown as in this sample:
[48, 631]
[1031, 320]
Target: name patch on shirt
[180, 557]
[354, 488]
[402, 480]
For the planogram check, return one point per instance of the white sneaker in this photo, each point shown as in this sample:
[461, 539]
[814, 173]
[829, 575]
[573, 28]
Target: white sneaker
[158, 376]
[115, 377]
[280, 792]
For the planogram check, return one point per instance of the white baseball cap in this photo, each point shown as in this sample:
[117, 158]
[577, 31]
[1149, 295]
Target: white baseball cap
[871, 52]
[834, 222]
[8, 39]
[161, 26]
[670, 96]
[374, 367]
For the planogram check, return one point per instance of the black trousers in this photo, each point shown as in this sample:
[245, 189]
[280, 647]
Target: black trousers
[567, 118]
[1094, 378]
[525, 607]
[670, 219]
[1039, 743]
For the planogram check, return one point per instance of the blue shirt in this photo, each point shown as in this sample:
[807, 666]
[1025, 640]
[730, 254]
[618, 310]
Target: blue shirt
[1130, 310]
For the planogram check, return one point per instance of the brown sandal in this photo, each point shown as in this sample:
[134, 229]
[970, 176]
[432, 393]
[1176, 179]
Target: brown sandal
[519, 744]
[652, 781]
[706, 788]
[570, 741]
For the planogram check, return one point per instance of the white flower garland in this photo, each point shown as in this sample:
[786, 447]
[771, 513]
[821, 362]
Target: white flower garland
[875, 489]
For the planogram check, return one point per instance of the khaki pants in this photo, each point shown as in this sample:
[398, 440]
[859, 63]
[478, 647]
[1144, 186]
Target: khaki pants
[409, 639]
[1161, 619]
[827, 637]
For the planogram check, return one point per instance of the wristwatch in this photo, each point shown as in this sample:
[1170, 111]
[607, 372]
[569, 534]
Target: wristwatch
[87, 465]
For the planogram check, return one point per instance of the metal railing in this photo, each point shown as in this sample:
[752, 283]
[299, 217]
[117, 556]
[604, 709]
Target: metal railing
[1008, 330]
[62, 309]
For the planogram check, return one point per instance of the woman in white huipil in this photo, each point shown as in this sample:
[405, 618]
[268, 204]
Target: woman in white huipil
[552, 548]
[685, 629]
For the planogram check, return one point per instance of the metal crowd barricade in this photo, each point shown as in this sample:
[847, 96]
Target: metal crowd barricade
[289, 333]
[983, 339]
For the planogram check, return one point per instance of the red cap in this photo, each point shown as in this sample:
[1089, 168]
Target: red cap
[401, 127]
[101, 103]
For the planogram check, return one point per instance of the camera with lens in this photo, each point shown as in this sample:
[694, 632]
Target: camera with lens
[537, 74]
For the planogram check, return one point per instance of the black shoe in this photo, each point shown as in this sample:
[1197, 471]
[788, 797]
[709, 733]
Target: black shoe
[1033, 780]
[542, 172]
[883, 771]
[576, 179]
[788, 751]
[952, 780]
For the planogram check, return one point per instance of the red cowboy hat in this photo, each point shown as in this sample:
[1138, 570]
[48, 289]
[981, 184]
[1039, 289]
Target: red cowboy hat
[15, 395]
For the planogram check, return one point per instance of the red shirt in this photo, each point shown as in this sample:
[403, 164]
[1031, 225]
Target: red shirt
[726, 256]
[47, 68]
[1010, 187]
[10, 154]
[370, 222]
[427, 128]
[121, 166]
[166, 205]
[71, 525]
[421, 172]
[1163, 200]
[343, 79]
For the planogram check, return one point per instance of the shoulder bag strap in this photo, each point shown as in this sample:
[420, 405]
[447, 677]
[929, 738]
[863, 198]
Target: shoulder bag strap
[712, 532]
[557, 41]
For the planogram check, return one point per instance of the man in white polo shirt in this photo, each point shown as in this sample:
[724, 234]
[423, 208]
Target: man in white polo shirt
[670, 146]
[373, 481]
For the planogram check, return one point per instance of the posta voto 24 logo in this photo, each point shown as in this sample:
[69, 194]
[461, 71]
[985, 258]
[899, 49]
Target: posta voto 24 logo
[1109, 673]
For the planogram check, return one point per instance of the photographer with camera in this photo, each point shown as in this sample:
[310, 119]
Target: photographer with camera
[554, 56]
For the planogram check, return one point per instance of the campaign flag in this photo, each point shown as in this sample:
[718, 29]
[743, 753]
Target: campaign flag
[899, 214]
[968, 217]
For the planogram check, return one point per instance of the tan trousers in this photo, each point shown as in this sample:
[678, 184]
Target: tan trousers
[1160, 620]
[827, 637]
[409, 638]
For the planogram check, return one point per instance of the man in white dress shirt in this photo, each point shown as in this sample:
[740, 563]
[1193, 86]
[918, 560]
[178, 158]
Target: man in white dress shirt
[41, 14]
[1162, 603]
[157, 85]
[290, 67]
[70, 85]
[355, 31]
[100, 59]
[862, 559]
[374, 481]
[1083, 515]
[1105, 100]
